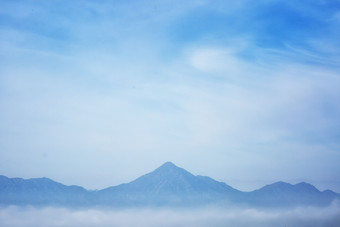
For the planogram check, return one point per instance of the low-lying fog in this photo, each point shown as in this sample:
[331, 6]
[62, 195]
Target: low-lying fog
[307, 216]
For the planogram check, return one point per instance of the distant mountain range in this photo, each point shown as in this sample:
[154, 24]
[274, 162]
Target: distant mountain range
[168, 185]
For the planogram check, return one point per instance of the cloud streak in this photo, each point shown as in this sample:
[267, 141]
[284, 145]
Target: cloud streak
[19, 216]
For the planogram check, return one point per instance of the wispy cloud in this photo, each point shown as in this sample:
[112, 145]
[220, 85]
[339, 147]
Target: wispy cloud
[18, 216]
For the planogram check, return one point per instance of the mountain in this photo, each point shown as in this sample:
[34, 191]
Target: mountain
[41, 192]
[168, 185]
[284, 194]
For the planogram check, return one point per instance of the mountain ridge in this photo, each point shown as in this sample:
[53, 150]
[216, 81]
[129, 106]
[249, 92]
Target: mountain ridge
[167, 185]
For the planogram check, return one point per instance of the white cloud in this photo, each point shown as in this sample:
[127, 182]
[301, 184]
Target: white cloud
[218, 62]
[310, 216]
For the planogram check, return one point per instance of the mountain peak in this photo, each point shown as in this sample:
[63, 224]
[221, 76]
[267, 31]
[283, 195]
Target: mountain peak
[172, 185]
[168, 165]
[168, 169]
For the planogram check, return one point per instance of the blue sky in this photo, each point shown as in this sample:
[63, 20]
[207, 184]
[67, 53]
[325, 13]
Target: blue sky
[97, 93]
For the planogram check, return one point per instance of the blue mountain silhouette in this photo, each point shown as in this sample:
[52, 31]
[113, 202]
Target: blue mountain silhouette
[167, 185]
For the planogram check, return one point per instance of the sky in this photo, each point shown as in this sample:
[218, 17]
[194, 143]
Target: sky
[97, 93]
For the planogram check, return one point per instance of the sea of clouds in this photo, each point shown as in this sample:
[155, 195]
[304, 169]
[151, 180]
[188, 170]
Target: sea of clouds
[51, 216]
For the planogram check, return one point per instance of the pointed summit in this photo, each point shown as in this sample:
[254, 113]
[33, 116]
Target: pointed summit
[168, 164]
[170, 170]
[166, 174]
